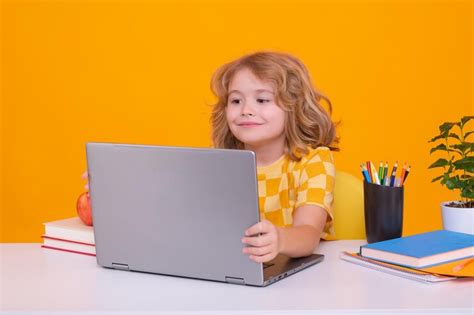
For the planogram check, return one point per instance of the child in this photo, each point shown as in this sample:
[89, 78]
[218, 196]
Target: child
[267, 104]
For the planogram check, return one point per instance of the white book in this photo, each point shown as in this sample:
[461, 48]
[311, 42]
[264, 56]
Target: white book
[71, 229]
[68, 246]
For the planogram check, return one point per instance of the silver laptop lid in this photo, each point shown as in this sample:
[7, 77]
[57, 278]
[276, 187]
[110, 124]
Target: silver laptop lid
[174, 210]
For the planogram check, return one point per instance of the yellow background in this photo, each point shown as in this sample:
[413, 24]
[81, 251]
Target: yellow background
[139, 72]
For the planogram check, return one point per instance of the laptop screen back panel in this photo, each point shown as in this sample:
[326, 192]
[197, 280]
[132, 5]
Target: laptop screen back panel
[174, 211]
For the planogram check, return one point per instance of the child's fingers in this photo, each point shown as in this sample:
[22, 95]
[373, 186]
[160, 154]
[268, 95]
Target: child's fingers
[261, 227]
[262, 259]
[258, 241]
[258, 251]
[85, 175]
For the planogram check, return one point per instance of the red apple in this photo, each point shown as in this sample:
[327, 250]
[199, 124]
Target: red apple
[84, 209]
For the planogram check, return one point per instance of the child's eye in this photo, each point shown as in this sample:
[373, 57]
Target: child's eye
[235, 101]
[261, 100]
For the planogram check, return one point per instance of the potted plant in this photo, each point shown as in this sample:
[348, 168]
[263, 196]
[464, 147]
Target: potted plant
[458, 169]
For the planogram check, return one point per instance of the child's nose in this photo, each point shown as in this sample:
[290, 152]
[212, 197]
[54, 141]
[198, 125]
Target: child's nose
[247, 109]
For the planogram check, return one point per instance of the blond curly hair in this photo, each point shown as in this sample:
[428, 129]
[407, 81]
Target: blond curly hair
[308, 124]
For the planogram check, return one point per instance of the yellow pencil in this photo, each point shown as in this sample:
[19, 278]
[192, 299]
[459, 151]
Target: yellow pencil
[374, 173]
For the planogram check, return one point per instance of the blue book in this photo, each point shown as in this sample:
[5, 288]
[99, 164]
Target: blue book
[422, 250]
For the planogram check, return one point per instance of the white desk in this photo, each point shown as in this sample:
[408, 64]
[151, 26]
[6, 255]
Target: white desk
[36, 280]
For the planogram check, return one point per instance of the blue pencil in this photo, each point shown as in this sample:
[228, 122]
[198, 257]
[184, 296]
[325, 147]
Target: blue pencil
[365, 173]
[394, 173]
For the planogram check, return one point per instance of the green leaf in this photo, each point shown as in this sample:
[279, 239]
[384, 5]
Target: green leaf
[437, 178]
[453, 135]
[441, 136]
[465, 119]
[456, 151]
[445, 127]
[452, 183]
[463, 146]
[467, 193]
[462, 183]
[471, 147]
[439, 147]
[439, 163]
[466, 167]
[466, 164]
[467, 159]
[450, 169]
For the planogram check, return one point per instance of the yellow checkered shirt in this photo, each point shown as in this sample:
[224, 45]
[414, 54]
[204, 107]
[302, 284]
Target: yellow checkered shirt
[285, 185]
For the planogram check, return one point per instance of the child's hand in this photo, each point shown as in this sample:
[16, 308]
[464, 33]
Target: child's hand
[263, 247]
[85, 176]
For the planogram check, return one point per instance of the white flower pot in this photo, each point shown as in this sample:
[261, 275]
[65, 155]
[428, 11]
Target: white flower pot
[457, 219]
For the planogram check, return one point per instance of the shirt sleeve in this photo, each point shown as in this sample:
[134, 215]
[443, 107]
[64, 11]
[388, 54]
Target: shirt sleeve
[316, 185]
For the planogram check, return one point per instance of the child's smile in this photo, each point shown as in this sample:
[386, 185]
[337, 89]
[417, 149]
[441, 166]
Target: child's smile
[249, 124]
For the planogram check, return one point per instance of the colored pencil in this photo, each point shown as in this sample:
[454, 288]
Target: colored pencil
[406, 174]
[364, 173]
[370, 172]
[381, 176]
[404, 169]
[385, 170]
[394, 173]
[381, 172]
[397, 182]
[374, 174]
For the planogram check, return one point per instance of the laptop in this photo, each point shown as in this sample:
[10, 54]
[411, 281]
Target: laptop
[179, 211]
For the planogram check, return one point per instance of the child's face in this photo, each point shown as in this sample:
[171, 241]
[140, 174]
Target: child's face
[252, 113]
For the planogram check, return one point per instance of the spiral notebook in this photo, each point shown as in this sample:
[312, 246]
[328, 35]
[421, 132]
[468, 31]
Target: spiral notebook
[412, 274]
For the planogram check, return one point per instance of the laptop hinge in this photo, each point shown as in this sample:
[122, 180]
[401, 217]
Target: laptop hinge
[120, 266]
[235, 280]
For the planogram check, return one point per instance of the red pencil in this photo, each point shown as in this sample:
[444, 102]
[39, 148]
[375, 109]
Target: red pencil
[402, 176]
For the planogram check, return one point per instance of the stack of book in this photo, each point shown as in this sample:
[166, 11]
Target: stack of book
[69, 235]
[428, 257]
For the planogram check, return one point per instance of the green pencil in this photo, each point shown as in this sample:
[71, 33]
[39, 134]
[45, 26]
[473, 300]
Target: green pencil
[385, 170]
[381, 172]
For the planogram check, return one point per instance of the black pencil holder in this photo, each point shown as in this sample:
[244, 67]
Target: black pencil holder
[383, 212]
